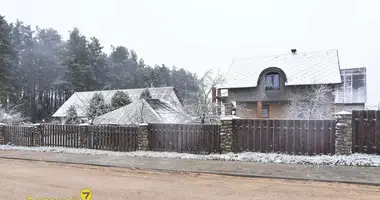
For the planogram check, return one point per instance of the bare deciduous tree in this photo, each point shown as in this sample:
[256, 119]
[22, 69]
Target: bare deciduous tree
[11, 115]
[200, 104]
[311, 102]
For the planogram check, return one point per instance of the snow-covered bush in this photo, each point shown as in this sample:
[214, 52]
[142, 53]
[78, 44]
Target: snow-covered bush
[10, 116]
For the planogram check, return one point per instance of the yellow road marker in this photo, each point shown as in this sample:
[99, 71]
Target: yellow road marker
[85, 194]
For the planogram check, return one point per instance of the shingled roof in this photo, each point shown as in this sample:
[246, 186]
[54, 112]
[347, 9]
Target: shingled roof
[145, 111]
[301, 68]
[81, 99]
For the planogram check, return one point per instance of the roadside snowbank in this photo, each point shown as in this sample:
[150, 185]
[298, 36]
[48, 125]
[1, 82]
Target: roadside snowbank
[351, 160]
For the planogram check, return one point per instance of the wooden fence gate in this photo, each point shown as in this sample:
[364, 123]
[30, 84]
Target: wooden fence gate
[366, 131]
[18, 135]
[193, 138]
[299, 137]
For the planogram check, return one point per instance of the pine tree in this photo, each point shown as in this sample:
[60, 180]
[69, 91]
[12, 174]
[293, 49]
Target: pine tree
[25, 68]
[120, 99]
[5, 64]
[79, 74]
[121, 68]
[72, 116]
[145, 94]
[40, 71]
[97, 107]
[99, 63]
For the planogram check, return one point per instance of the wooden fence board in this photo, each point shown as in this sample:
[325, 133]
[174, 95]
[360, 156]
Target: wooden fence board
[285, 136]
[194, 138]
[18, 135]
[269, 135]
[377, 132]
[366, 131]
[297, 136]
[319, 137]
[362, 132]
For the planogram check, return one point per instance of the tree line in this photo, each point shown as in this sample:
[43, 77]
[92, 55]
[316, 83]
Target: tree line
[39, 70]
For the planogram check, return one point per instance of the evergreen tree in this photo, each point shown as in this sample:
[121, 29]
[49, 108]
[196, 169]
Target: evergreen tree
[79, 74]
[48, 49]
[40, 71]
[99, 63]
[121, 68]
[5, 58]
[72, 116]
[145, 94]
[120, 99]
[25, 68]
[96, 107]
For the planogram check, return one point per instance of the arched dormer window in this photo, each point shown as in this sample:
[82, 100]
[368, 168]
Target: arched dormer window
[272, 81]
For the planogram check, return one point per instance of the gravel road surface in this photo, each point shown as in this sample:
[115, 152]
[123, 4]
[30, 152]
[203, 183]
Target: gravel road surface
[19, 179]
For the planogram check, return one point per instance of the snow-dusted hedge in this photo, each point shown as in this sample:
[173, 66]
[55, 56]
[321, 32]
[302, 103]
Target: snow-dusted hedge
[351, 160]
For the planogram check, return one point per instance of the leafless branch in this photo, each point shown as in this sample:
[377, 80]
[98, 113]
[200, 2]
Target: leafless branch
[10, 115]
[311, 102]
[200, 104]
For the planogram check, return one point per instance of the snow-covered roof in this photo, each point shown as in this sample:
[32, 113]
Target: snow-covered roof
[144, 111]
[301, 68]
[343, 113]
[81, 99]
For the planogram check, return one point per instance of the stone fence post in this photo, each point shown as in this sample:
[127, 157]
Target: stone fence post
[37, 134]
[2, 134]
[142, 137]
[226, 136]
[85, 139]
[343, 133]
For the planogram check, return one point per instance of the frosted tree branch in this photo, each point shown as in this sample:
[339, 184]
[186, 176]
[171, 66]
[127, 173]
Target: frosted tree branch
[200, 105]
[311, 102]
[10, 115]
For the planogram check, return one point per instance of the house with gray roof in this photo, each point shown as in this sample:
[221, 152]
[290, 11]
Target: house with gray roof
[145, 111]
[160, 96]
[262, 87]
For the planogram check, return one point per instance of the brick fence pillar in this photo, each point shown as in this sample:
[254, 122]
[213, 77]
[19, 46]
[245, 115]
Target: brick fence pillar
[226, 136]
[2, 134]
[343, 133]
[142, 137]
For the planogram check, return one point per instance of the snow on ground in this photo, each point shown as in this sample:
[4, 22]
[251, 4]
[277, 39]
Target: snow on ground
[351, 160]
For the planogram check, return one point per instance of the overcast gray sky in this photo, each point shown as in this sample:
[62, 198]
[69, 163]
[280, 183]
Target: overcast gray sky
[208, 34]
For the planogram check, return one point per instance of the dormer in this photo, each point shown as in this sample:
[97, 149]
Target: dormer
[272, 79]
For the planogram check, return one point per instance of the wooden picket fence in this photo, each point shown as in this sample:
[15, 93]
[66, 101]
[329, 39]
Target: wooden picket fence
[299, 137]
[18, 135]
[60, 135]
[366, 131]
[104, 137]
[115, 138]
[193, 138]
